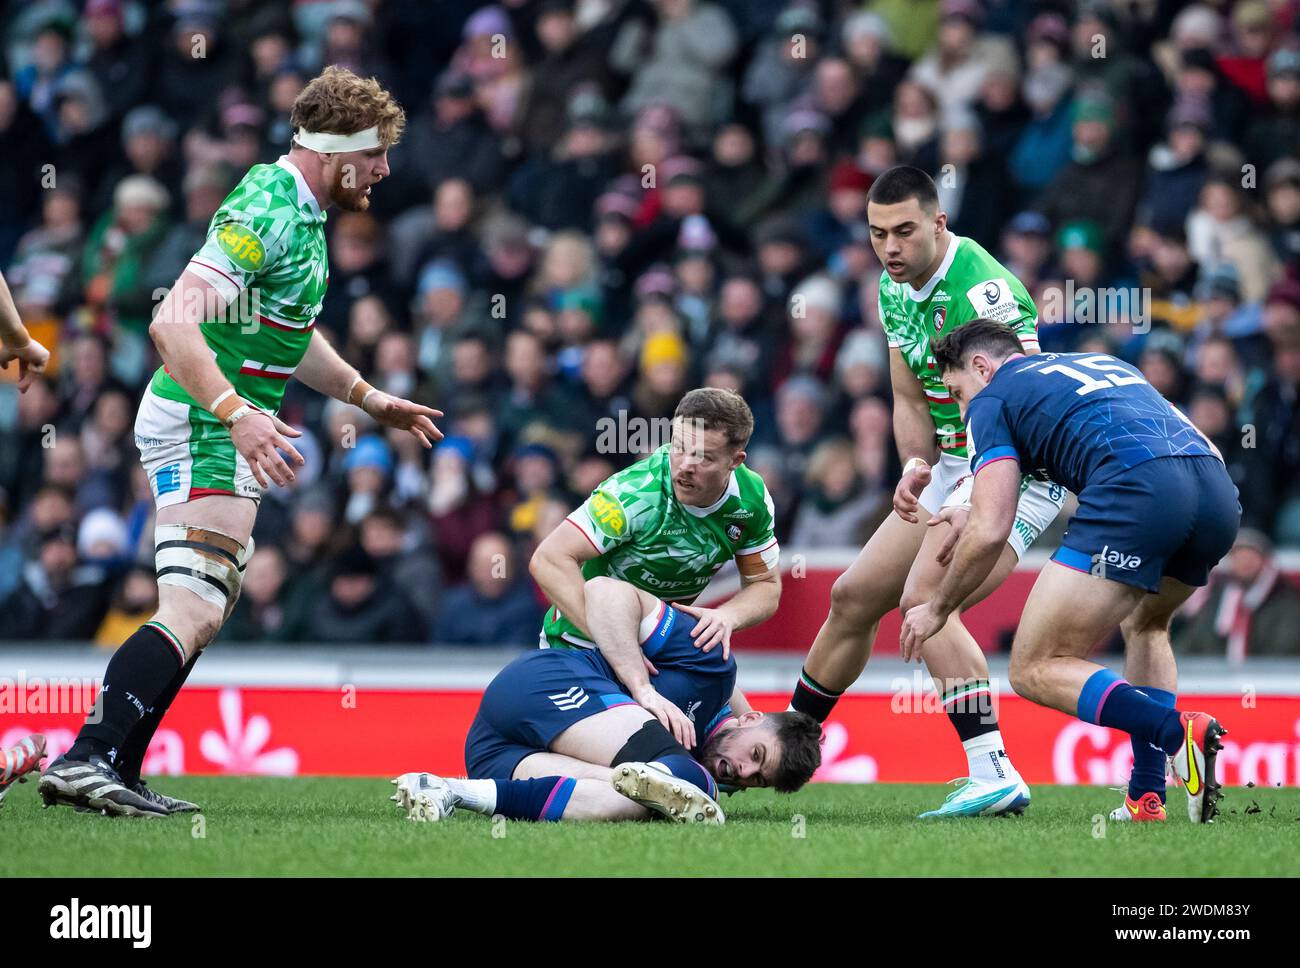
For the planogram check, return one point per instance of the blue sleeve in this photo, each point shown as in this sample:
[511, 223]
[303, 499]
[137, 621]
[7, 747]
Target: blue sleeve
[987, 433]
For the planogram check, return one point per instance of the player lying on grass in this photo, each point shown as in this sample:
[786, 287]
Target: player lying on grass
[1157, 510]
[584, 734]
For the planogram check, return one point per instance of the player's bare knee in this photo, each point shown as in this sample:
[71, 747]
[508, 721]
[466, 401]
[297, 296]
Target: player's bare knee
[1026, 677]
[853, 603]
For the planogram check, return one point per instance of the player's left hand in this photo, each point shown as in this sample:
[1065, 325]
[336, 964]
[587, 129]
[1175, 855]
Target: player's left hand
[402, 414]
[32, 358]
[713, 626]
[956, 517]
[920, 622]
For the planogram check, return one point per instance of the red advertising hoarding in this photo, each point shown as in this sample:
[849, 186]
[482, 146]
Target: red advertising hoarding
[871, 738]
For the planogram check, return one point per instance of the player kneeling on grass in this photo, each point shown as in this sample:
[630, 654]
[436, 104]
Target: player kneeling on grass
[583, 734]
[1157, 510]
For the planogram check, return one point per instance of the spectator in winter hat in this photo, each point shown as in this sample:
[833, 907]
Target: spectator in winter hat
[1101, 181]
[816, 330]
[101, 537]
[1282, 312]
[830, 228]
[1177, 168]
[1026, 247]
[662, 380]
[1282, 192]
[1276, 131]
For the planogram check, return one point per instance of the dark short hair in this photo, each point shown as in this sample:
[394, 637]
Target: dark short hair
[902, 182]
[800, 737]
[719, 409]
[977, 336]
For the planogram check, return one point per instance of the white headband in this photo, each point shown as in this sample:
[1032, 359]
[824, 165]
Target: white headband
[324, 141]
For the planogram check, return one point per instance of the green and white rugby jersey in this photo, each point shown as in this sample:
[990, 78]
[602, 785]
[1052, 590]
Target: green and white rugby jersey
[969, 284]
[647, 537]
[267, 237]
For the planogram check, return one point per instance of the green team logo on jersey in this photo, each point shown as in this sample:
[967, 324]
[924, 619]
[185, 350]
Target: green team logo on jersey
[242, 245]
[607, 514]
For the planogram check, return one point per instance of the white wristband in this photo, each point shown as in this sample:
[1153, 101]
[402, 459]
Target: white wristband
[240, 414]
[913, 464]
[217, 402]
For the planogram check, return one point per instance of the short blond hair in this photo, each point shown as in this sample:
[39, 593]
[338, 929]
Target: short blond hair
[340, 102]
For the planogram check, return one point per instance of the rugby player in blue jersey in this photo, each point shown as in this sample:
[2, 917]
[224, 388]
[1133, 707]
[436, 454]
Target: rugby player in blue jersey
[588, 734]
[1157, 510]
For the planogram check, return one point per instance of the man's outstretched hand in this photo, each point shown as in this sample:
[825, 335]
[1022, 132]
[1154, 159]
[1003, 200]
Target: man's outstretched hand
[402, 414]
[32, 359]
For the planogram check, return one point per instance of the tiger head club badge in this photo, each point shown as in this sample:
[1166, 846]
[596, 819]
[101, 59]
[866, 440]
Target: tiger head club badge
[939, 315]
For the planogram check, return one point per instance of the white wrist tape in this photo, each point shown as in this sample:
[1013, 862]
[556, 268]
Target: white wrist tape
[240, 414]
[325, 141]
[913, 464]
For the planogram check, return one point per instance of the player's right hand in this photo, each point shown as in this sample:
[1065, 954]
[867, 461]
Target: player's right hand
[908, 492]
[259, 438]
[956, 518]
[31, 358]
[673, 719]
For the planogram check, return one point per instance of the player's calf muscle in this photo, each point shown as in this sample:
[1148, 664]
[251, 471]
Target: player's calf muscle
[191, 619]
[597, 800]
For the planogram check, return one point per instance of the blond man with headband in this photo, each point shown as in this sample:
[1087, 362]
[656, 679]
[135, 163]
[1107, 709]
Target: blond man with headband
[234, 328]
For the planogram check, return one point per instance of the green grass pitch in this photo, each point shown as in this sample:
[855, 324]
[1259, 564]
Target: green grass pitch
[341, 827]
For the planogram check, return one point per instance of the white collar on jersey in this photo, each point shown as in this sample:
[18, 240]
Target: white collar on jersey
[732, 489]
[305, 194]
[922, 294]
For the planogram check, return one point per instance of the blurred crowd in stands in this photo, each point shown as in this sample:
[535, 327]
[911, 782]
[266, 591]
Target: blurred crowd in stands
[599, 204]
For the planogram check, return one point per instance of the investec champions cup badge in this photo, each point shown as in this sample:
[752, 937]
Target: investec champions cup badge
[607, 514]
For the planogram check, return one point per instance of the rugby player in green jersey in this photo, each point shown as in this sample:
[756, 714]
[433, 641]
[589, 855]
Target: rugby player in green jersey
[232, 330]
[666, 524]
[933, 282]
